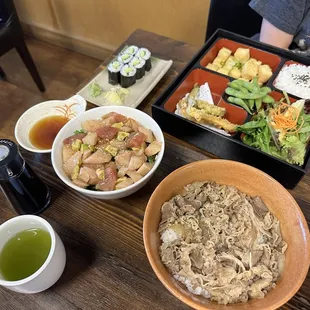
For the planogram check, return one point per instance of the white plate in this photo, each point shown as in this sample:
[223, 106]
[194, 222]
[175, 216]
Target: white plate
[137, 92]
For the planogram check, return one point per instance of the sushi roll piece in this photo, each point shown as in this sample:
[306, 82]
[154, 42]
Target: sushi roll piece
[128, 76]
[114, 69]
[125, 58]
[145, 54]
[132, 50]
[139, 64]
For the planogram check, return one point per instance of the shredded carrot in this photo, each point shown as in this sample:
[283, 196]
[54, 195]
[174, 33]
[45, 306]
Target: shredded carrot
[285, 117]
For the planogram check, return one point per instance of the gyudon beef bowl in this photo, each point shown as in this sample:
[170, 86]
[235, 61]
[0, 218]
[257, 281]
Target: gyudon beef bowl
[223, 235]
[108, 152]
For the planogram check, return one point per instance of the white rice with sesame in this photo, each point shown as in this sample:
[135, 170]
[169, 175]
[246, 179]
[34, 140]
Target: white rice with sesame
[295, 80]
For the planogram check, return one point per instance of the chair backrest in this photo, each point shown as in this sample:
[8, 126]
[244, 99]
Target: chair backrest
[233, 15]
[7, 12]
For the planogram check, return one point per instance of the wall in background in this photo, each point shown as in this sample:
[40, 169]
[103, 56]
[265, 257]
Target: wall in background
[105, 24]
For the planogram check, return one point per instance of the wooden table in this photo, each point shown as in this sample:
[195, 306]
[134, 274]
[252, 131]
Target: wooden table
[107, 267]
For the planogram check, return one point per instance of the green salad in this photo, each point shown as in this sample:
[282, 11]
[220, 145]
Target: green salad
[283, 130]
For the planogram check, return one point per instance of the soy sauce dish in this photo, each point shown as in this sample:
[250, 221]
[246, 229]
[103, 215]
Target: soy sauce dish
[37, 128]
[108, 152]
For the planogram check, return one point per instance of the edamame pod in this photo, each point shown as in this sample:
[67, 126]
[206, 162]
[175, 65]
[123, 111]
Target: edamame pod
[249, 86]
[251, 103]
[268, 99]
[266, 89]
[258, 104]
[239, 94]
[239, 102]
[236, 86]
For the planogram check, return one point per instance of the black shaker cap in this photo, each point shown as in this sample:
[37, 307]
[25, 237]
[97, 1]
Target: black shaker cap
[11, 161]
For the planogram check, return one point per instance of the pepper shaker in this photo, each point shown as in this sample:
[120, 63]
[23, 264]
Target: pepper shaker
[21, 186]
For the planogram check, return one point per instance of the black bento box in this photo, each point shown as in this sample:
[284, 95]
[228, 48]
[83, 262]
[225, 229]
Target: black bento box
[227, 147]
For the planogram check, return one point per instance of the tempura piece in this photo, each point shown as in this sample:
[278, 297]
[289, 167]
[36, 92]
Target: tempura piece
[264, 74]
[218, 61]
[219, 122]
[258, 62]
[250, 70]
[212, 67]
[210, 108]
[223, 71]
[235, 73]
[194, 92]
[195, 113]
[242, 55]
[224, 53]
[230, 63]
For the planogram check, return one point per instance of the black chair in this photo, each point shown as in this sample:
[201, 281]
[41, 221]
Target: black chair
[11, 36]
[233, 15]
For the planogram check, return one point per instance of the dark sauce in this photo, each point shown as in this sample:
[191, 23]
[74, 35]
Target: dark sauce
[43, 133]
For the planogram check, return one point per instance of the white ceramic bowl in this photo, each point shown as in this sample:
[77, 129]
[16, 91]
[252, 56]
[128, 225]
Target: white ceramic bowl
[68, 130]
[42, 110]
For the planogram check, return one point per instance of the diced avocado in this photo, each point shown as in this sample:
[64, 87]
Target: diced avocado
[100, 174]
[84, 147]
[75, 172]
[119, 180]
[122, 135]
[76, 145]
[118, 125]
[92, 148]
[112, 150]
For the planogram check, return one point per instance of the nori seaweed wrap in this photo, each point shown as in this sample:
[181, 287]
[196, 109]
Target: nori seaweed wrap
[114, 69]
[145, 54]
[128, 76]
[139, 64]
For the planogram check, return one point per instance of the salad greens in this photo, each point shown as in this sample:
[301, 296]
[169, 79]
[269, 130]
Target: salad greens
[289, 145]
[79, 131]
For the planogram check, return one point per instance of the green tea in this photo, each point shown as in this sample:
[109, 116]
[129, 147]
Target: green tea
[24, 254]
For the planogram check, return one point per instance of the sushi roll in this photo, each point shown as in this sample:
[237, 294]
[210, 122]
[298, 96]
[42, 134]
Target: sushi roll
[114, 69]
[145, 54]
[139, 64]
[128, 76]
[125, 58]
[132, 50]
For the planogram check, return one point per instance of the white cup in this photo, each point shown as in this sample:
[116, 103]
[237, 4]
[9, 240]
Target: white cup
[53, 267]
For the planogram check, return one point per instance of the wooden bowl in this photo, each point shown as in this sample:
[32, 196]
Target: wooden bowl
[255, 183]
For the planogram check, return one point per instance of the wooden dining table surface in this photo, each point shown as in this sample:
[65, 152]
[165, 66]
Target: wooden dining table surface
[107, 267]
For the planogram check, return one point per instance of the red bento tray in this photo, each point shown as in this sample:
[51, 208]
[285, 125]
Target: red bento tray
[266, 58]
[217, 86]
[278, 95]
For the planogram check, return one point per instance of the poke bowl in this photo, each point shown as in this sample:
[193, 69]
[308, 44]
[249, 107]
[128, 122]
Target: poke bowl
[247, 180]
[119, 157]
